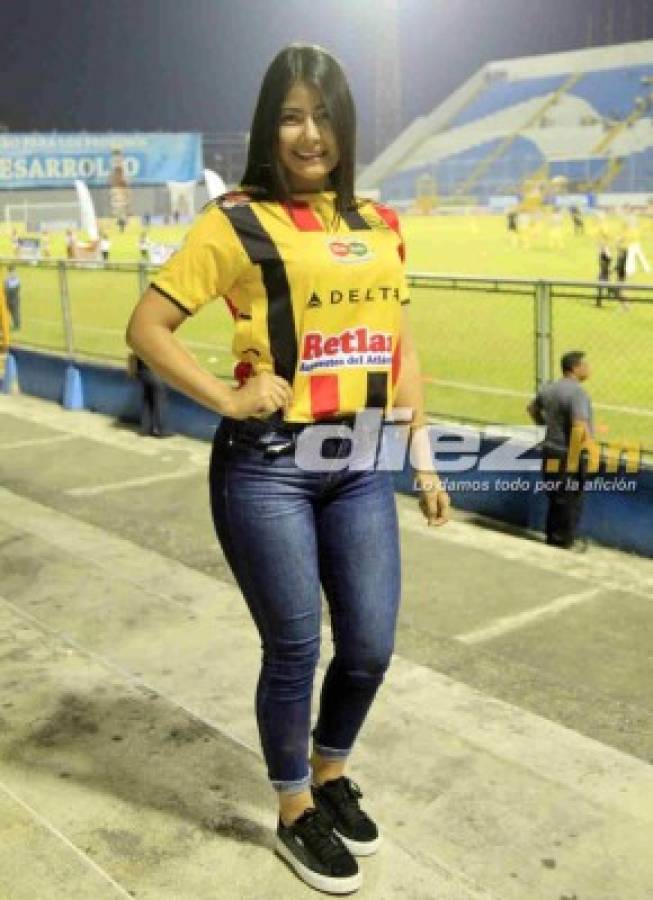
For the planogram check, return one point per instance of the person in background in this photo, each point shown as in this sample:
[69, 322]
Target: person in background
[105, 246]
[12, 293]
[70, 244]
[621, 271]
[144, 246]
[154, 410]
[565, 409]
[605, 265]
[577, 219]
[512, 223]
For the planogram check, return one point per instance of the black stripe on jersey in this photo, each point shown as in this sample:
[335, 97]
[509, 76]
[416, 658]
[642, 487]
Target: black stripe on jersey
[263, 252]
[171, 299]
[355, 221]
[377, 390]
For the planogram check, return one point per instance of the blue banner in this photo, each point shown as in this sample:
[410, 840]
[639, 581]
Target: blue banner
[57, 160]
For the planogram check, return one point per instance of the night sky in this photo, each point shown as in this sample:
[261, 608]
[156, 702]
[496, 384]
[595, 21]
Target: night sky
[177, 65]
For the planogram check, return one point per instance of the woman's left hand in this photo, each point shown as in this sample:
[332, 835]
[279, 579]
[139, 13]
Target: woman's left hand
[433, 499]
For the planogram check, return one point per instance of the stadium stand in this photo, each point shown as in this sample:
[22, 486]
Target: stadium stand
[586, 116]
[502, 94]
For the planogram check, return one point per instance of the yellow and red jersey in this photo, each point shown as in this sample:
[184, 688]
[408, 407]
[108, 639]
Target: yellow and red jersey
[317, 303]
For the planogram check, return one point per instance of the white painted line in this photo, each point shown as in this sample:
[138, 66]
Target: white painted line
[606, 568]
[35, 442]
[631, 410]
[476, 388]
[143, 568]
[597, 772]
[82, 424]
[509, 392]
[506, 624]
[99, 329]
[62, 837]
[98, 427]
[131, 483]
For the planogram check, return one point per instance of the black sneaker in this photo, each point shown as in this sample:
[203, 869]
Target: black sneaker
[338, 799]
[311, 847]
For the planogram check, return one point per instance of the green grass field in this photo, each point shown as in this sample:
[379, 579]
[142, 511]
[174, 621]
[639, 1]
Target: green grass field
[477, 347]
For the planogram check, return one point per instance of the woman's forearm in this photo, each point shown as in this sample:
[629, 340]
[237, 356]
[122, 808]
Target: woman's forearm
[409, 394]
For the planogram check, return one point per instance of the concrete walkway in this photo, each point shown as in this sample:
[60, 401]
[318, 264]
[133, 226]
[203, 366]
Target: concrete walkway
[507, 756]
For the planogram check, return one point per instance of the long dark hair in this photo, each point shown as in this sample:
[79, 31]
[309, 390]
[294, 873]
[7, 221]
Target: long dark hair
[313, 65]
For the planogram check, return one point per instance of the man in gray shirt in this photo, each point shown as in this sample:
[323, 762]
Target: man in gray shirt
[565, 408]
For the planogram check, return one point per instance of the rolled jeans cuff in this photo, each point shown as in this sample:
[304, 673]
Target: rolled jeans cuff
[293, 787]
[330, 752]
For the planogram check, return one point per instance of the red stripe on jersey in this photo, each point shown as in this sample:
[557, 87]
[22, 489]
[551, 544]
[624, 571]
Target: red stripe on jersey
[232, 307]
[390, 217]
[325, 395]
[303, 216]
[396, 363]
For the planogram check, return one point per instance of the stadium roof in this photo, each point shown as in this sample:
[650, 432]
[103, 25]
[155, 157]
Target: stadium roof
[445, 131]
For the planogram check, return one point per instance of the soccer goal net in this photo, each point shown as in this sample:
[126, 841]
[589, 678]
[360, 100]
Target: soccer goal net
[43, 216]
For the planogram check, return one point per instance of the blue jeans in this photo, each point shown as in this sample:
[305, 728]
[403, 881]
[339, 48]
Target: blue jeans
[284, 531]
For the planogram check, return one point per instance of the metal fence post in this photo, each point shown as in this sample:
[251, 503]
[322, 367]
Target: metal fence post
[543, 334]
[142, 277]
[65, 308]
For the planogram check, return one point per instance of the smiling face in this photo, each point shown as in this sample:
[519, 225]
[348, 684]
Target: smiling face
[308, 149]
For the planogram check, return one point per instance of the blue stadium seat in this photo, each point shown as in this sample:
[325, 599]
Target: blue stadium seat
[576, 170]
[636, 173]
[503, 176]
[502, 94]
[613, 92]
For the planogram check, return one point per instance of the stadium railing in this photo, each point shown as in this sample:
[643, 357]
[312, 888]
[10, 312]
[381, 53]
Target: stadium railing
[486, 344]
[81, 308]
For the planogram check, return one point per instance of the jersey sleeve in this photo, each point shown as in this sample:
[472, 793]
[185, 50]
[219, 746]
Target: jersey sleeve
[206, 266]
[390, 217]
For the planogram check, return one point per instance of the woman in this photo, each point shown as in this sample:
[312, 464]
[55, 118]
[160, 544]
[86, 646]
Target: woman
[316, 286]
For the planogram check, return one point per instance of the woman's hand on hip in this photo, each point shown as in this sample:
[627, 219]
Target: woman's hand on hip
[433, 499]
[261, 395]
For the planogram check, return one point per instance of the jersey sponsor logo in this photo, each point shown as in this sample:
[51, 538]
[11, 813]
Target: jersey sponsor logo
[351, 348]
[354, 295]
[237, 198]
[349, 250]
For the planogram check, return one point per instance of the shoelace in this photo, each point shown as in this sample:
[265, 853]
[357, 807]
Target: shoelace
[347, 793]
[319, 831]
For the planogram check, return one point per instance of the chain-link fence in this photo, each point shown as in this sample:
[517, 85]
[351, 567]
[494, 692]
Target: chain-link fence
[82, 309]
[485, 344]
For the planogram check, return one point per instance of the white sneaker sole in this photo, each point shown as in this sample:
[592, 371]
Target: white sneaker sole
[360, 848]
[314, 879]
